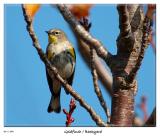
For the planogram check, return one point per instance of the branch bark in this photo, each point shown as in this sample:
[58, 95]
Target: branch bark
[84, 49]
[131, 48]
[85, 23]
[124, 25]
[66, 86]
[147, 24]
[96, 86]
[103, 74]
[128, 45]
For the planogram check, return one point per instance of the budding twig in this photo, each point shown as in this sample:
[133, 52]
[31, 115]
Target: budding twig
[69, 118]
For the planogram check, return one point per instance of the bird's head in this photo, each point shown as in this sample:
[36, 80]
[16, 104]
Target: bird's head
[56, 36]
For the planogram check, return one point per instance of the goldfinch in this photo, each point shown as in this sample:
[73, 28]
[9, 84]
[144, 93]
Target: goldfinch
[61, 54]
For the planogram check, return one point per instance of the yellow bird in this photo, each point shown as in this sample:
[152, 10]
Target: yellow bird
[61, 54]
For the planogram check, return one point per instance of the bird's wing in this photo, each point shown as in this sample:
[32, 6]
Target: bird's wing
[70, 79]
[55, 89]
[54, 85]
[73, 54]
[50, 82]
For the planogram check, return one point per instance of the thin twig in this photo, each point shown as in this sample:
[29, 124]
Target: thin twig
[96, 86]
[92, 54]
[43, 57]
[85, 36]
[69, 118]
[85, 52]
[103, 73]
[143, 107]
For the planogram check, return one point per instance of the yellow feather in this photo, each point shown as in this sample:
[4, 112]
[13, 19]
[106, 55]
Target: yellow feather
[71, 50]
[52, 39]
[49, 55]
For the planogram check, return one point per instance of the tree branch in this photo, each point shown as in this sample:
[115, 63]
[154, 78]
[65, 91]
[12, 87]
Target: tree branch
[85, 36]
[85, 23]
[96, 87]
[132, 8]
[47, 63]
[128, 44]
[102, 72]
[124, 24]
[84, 49]
[135, 16]
[147, 26]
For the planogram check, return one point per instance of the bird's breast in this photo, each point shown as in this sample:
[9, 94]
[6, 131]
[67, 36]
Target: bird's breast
[64, 64]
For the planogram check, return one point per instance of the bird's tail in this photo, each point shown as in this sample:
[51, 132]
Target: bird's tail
[54, 104]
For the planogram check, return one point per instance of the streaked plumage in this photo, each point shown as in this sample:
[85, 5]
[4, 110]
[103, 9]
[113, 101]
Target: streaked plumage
[62, 55]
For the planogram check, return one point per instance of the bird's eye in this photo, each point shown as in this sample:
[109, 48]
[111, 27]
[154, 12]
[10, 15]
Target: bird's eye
[56, 33]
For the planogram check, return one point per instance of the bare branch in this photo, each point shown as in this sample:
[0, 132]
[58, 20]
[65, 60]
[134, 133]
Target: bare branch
[102, 72]
[143, 107]
[147, 24]
[96, 87]
[135, 16]
[84, 49]
[124, 24]
[47, 63]
[128, 44]
[132, 8]
[85, 23]
[85, 36]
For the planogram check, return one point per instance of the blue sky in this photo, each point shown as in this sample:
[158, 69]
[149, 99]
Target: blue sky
[26, 89]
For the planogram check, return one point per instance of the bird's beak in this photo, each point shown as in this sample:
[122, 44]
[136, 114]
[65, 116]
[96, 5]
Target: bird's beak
[47, 32]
